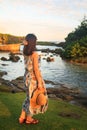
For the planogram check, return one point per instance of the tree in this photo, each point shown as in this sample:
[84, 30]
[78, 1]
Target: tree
[76, 42]
[79, 33]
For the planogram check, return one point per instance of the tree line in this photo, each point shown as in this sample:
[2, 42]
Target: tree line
[76, 42]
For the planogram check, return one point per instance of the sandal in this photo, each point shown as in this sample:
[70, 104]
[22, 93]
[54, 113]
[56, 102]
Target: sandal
[21, 120]
[33, 121]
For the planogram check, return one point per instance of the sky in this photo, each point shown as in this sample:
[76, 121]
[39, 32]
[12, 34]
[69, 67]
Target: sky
[49, 20]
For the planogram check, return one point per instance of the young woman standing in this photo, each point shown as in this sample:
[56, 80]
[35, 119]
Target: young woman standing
[36, 96]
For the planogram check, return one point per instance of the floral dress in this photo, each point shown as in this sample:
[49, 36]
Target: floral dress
[30, 83]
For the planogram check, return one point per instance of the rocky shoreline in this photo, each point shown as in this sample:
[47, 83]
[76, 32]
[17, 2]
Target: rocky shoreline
[62, 92]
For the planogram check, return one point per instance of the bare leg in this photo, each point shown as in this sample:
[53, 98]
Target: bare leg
[22, 117]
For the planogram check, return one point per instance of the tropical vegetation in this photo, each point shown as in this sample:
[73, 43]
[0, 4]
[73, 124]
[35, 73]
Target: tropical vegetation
[76, 42]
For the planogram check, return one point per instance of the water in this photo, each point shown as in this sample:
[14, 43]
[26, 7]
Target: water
[58, 71]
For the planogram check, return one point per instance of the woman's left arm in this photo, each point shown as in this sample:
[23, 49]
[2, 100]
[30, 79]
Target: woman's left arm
[37, 70]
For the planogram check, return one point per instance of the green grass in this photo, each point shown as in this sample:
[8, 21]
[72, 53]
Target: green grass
[10, 108]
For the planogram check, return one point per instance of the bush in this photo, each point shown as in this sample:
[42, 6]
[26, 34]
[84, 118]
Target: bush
[76, 42]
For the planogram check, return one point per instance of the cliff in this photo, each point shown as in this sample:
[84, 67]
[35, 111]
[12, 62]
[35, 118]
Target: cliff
[10, 47]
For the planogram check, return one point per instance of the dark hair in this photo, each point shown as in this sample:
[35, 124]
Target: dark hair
[28, 49]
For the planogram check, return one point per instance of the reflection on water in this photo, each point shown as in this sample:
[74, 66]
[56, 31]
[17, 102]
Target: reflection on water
[65, 73]
[58, 71]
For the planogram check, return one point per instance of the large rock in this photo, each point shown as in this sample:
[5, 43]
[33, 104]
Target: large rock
[2, 73]
[4, 59]
[56, 51]
[50, 59]
[8, 86]
[13, 57]
[61, 93]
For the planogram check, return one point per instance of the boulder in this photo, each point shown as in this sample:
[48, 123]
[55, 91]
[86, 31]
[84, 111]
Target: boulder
[50, 59]
[13, 57]
[2, 73]
[4, 59]
[4, 64]
[52, 96]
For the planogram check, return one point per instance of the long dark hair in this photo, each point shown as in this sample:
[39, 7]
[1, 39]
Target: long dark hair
[31, 46]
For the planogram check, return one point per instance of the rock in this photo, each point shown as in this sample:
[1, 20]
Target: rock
[56, 51]
[13, 57]
[44, 58]
[4, 59]
[9, 86]
[4, 64]
[69, 98]
[49, 82]
[51, 55]
[20, 78]
[45, 50]
[49, 59]
[53, 91]
[5, 86]
[2, 73]
[52, 96]
[62, 93]
[61, 44]
[18, 84]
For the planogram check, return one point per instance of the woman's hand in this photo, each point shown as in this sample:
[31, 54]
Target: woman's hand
[39, 86]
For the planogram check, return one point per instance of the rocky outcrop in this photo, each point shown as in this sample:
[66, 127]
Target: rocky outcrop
[10, 47]
[4, 59]
[12, 57]
[72, 95]
[50, 59]
[56, 51]
[2, 73]
[61, 44]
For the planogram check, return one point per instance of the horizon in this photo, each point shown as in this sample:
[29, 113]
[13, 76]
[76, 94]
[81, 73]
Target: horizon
[49, 20]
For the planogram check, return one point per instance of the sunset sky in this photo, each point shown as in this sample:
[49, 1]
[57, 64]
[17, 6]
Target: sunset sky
[50, 20]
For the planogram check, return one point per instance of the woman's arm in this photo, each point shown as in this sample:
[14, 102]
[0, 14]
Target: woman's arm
[36, 69]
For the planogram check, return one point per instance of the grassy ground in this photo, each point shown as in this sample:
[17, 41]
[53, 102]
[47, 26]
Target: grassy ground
[10, 108]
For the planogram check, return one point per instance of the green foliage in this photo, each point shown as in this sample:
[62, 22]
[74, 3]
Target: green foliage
[76, 42]
[79, 32]
[78, 51]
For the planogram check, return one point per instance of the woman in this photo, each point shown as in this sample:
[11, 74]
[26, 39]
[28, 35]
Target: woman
[34, 83]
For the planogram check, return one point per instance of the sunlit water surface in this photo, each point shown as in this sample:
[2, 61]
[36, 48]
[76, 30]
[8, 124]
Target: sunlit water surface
[59, 71]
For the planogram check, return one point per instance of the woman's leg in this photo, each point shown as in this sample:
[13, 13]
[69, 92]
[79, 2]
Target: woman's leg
[29, 116]
[22, 117]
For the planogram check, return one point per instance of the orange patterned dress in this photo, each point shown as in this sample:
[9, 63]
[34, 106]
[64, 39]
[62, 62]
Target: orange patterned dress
[32, 77]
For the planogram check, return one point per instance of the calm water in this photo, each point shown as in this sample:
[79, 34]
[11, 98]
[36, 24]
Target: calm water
[58, 71]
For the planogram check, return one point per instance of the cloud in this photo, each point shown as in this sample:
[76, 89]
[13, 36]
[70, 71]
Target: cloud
[62, 8]
[55, 18]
